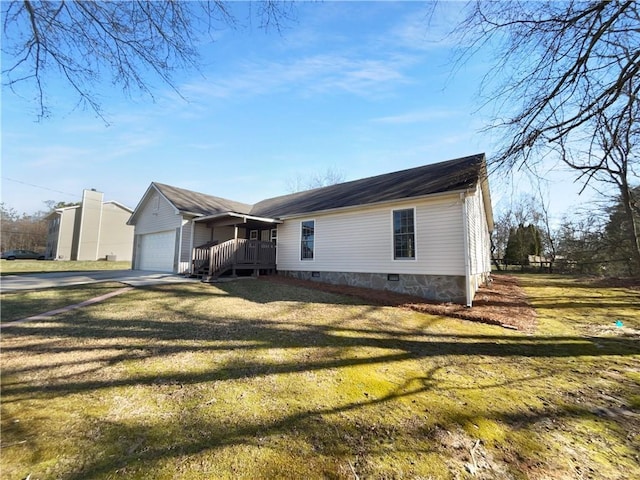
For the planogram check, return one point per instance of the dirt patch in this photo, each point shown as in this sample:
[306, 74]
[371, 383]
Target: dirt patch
[465, 454]
[502, 302]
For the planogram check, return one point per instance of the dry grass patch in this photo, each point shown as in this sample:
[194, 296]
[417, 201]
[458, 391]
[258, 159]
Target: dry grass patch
[25, 303]
[15, 267]
[258, 380]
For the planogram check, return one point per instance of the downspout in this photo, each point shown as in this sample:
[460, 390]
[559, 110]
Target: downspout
[467, 253]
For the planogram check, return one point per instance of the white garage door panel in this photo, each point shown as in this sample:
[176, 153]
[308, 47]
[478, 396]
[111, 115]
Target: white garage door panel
[157, 251]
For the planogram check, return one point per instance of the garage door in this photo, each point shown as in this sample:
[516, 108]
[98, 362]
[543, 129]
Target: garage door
[157, 251]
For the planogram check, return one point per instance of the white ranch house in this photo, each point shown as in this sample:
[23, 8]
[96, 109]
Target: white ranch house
[423, 231]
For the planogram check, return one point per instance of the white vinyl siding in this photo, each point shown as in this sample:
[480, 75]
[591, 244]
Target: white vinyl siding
[185, 246]
[361, 240]
[151, 219]
[156, 217]
[479, 236]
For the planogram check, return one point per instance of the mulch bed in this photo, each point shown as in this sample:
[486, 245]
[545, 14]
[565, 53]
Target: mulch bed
[502, 302]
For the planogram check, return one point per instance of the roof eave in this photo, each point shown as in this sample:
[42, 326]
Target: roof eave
[246, 217]
[374, 204]
[124, 207]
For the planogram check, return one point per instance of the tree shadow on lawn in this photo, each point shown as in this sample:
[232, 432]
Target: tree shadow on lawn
[144, 339]
[333, 345]
[328, 432]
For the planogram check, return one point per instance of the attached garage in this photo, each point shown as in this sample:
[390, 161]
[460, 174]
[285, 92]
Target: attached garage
[156, 251]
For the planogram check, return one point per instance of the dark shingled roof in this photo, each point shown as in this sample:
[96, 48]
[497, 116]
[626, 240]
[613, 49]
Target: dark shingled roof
[452, 175]
[187, 201]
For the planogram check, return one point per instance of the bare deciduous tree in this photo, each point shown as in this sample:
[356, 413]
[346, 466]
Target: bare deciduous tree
[610, 159]
[330, 176]
[559, 64]
[128, 43]
[565, 83]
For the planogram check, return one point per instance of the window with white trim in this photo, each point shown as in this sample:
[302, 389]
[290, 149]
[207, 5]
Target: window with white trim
[404, 234]
[274, 236]
[253, 234]
[307, 239]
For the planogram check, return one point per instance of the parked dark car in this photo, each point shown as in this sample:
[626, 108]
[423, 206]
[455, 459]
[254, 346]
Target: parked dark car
[21, 255]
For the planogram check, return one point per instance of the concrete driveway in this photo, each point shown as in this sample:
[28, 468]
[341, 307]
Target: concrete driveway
[134, 278]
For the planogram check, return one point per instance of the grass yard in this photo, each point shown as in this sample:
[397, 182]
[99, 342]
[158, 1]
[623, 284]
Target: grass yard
[12, 267]
[21, 304]
[256, 379]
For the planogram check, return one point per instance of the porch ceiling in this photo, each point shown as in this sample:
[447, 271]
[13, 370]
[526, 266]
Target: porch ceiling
[237, 220]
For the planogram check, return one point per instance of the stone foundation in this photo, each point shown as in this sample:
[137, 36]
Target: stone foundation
[441, 288]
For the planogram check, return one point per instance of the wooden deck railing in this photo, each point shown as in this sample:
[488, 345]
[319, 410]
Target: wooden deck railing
[200, 256]
[235, 254]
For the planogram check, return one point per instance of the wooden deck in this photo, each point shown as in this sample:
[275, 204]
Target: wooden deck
[210, 261]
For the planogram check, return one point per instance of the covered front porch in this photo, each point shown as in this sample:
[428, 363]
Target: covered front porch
[251, 249]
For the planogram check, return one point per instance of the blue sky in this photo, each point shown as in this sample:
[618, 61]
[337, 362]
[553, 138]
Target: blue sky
[361, 88]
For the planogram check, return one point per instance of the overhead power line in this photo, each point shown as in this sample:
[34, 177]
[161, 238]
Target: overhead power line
[75, 195]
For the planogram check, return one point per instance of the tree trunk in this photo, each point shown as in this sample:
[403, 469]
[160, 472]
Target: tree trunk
[633, 227]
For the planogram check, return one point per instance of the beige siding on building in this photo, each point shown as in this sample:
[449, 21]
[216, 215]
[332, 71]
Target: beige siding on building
[361, 240]
[90, 222]
[116, 237]
[66, 233]
[90, 231]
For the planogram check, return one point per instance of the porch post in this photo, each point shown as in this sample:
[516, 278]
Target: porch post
[235, 250]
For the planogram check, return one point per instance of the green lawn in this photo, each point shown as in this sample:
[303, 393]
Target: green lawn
[12, 267]
[254, 379]
[25, 303]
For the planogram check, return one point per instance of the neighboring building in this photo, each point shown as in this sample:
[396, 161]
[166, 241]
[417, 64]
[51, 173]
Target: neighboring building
[93, 230]
[423, 231]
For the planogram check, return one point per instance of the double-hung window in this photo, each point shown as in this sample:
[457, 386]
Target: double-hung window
[404, 234]
[307, 239]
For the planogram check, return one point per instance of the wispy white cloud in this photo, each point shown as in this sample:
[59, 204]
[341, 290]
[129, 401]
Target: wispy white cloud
[317, 74]
[427, 29]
